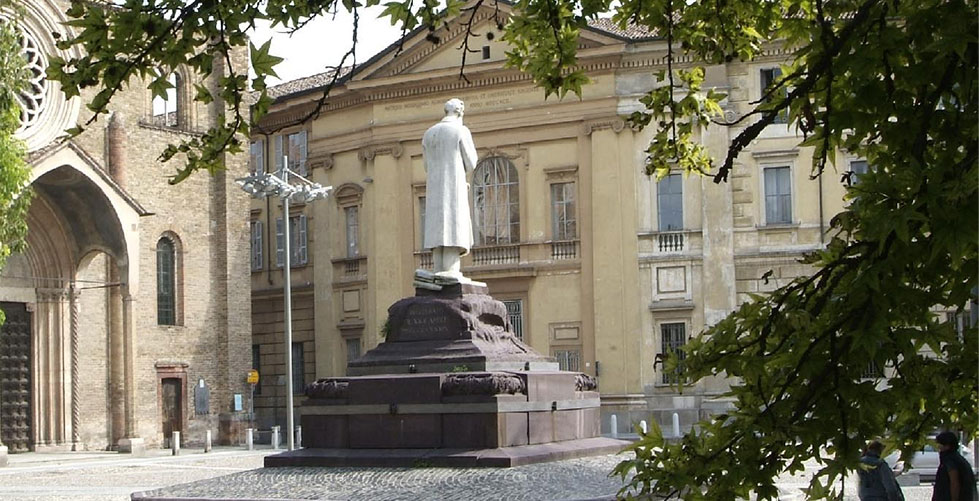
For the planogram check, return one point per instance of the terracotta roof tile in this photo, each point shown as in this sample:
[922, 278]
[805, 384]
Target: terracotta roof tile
[632, 31]
[306, 83]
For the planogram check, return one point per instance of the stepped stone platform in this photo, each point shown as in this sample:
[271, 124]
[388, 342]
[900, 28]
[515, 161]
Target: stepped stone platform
[451, 385]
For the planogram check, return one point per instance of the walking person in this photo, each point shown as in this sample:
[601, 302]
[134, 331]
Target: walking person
[876, 478]
[955, 480]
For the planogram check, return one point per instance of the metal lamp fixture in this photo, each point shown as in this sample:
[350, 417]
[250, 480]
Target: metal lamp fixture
[304, 191]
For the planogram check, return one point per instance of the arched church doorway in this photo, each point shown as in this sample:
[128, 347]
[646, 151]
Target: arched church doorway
[15, 378]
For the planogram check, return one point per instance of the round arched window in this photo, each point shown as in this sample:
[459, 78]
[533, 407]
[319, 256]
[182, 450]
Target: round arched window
[33, 97]
[44, 111]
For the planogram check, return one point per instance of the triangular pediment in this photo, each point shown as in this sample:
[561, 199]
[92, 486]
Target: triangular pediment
[422, 51]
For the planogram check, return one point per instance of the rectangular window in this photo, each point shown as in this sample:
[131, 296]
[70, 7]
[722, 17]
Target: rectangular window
[353, 348]
[568, 360]
[298, 255]
[674, 336]
[256, 162]
[298, 369]
[857, 169]
[352, 220]
[256, 245]
[514, 308]
[563, 222]
[295, 147]
[872, 371]
[669, 202]
[421, 220]
[257, 365]
[778, 195]
[770, 77]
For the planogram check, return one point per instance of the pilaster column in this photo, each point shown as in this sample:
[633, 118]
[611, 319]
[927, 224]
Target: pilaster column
[386, 220]
[614, 255]
[73, 294]
[128, 357]
[131, 443]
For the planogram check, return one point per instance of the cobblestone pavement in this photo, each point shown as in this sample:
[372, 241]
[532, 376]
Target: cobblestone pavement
[91, 476]
[236, 473]
[585, 478]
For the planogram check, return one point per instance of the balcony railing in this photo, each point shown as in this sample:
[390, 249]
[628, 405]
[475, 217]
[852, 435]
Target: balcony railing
[350, 268]
[498, 254]
[423, 259]
[669, 242]
[564, 249]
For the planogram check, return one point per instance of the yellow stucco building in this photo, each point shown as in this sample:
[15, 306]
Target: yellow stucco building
[600, 266]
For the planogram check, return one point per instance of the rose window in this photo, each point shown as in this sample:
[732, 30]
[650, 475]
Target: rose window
[33, 96]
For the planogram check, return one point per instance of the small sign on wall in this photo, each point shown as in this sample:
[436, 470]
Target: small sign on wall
[238, 406]
[202, 398]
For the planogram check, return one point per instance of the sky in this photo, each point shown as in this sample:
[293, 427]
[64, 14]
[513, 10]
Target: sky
[324, 42]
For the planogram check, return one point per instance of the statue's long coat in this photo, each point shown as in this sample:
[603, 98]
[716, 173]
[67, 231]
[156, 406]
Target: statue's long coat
[449, 156]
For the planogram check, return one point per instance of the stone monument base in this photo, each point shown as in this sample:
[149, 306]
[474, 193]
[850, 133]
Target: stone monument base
[451, 385]
[504, 457]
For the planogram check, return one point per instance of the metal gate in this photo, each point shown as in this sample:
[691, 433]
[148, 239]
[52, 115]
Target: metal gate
[15, 378]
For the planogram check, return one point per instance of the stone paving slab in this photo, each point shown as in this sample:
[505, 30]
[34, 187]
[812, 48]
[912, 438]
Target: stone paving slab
[572, 479]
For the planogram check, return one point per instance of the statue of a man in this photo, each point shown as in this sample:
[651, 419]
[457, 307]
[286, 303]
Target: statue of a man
[449, 156]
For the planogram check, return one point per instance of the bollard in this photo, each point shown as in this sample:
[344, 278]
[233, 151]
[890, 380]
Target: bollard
[642, 426]
[175, 443]
[299, 436]
[250, 438]
[207, 441]
[676, 424]
[614, 424]
[275, 437]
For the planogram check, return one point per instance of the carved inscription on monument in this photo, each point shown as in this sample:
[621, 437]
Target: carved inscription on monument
[428, 321]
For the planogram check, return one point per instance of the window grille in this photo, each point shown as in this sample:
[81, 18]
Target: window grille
[353, 348]
[496, 202]
[568, 360]
[674, 336]
[514, 308]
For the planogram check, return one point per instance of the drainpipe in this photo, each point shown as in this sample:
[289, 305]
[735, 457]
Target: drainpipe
[822, 240]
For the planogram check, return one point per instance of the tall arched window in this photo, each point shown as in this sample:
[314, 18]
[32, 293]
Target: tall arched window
[496, 202]
[166, 282]
[166, 111]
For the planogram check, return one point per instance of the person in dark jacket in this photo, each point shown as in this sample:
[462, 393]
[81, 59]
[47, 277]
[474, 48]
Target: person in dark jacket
[955, 480]
[876, 478]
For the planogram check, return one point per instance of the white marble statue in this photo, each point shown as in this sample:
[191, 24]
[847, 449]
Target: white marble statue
[449, 156]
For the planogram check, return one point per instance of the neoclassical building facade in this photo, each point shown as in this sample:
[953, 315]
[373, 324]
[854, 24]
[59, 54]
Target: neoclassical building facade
[127, 301]
[601, 267]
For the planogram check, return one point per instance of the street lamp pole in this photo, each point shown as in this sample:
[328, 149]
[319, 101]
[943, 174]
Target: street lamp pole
[270, 185]
[287, 299]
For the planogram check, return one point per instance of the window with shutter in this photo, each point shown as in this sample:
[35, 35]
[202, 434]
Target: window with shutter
[778, 195]
[669, 202]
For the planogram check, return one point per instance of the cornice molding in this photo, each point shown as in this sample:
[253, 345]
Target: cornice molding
[320, 160]
[372, 150]
[614, 123]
